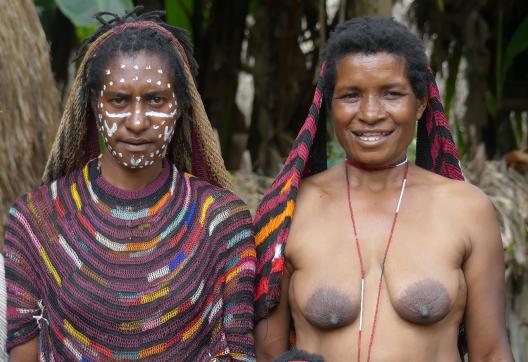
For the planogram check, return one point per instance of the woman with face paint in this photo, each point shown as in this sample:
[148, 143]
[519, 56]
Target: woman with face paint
[378, 259]
[132, 250]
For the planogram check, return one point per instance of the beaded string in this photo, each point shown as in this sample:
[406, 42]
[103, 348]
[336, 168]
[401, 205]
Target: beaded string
[360, 257]
[381, 168]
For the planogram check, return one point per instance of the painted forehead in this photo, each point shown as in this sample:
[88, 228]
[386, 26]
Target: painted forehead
[137, 69]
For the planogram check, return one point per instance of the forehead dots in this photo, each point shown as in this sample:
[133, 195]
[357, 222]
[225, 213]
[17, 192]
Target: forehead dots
[148, 74]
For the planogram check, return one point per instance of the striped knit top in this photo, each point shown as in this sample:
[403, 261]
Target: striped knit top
[163, 273]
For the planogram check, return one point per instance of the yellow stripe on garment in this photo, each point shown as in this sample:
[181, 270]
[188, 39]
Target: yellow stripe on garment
[168, 316]
[142, 246]
[76, 334]
[247, 253]
[75, 196]
[287, 185]
[154, 295]
[85, 174]
[191, 330]
[274, 223]
[232, 274]
[130, 326]
[50, 266]
[153, 350]
[206, 205]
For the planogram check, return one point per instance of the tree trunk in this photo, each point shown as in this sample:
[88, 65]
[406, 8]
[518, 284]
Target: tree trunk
[283, 77]
[29, 101]
[218, 53]
[369, 7]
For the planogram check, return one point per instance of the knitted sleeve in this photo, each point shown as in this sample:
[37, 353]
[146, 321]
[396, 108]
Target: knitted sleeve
[239, 278]
[21, 278]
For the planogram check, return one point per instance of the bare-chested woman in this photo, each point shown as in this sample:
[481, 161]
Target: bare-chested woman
[383, 259]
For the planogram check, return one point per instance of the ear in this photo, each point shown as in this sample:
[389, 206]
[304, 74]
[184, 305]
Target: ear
[421, 104]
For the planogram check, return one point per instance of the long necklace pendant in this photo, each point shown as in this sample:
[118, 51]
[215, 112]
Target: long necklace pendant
[361, 304]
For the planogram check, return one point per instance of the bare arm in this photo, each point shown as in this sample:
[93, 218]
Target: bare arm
[484, 273]
[272, 334]
[27, 352]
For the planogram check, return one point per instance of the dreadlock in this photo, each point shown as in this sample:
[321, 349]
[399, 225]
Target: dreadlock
[369, 35]
[193, 147]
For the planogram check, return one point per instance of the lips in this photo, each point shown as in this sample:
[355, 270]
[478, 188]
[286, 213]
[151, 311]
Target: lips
[135, 144]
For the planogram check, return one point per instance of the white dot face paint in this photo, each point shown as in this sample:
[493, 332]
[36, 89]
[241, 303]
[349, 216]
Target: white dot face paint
[110, 130]
[140, 87]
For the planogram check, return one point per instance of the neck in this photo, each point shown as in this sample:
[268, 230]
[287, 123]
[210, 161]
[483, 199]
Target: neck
[375, 179]
[368, 168]
[126, 178]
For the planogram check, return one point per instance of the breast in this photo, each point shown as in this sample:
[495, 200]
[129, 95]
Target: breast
[424, 302]
[329, 308]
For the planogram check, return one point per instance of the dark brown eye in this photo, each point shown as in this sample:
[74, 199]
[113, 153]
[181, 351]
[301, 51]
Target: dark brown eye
[156, 100]
[118, 101]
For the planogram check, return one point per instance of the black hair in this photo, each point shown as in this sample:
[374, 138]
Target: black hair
[370, 35]
[131, 41]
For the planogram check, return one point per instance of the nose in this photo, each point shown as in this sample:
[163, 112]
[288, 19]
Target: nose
[137, 122]
[371, 109]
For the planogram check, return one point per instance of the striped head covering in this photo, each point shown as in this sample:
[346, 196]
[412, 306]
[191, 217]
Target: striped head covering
[194, 147]
[436, 151]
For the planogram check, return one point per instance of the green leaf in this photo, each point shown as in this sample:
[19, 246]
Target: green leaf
[179, 12]
[81, 12]
[517, 44]
[83, 32]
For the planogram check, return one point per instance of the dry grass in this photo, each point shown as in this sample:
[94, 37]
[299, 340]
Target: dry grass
[29, 102]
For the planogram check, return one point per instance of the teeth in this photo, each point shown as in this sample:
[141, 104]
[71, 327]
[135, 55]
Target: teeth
[370, 138]
[372, 134]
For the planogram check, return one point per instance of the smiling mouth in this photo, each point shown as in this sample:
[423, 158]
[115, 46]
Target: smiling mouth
[372, 136]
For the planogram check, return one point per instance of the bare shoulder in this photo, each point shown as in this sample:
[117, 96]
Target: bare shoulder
[456, 194]
[464, 205]
[321, 186]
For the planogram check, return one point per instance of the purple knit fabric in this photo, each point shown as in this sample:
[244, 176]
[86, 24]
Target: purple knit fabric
[164, 273]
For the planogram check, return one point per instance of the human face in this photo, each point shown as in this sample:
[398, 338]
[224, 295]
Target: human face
[374, 108]
[136, 109]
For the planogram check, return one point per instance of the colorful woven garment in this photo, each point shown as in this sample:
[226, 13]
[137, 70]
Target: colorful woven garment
[436, 152]
[163, 273]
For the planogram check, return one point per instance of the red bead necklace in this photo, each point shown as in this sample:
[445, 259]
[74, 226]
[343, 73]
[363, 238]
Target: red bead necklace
[360, 257]
[373, 169]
